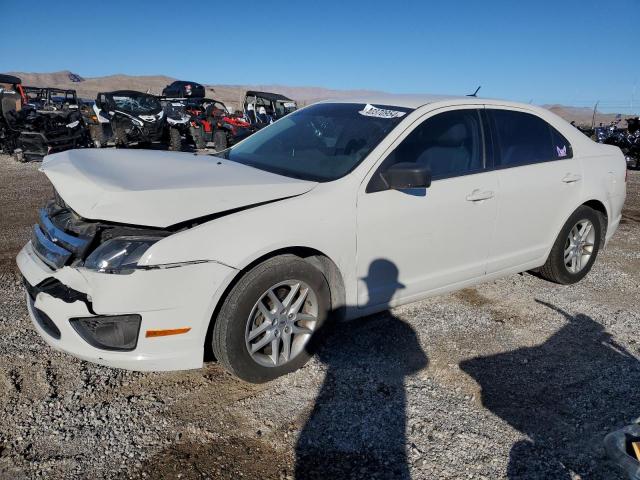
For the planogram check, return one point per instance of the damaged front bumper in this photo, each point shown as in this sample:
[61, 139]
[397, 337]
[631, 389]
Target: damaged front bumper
[176, 299]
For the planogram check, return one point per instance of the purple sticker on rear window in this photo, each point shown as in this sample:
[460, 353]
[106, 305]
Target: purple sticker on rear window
[562, 152]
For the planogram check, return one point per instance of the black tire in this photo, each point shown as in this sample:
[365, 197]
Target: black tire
[98, 139]
[228, 339]
[175, 140]
[198, 138]
[220, 140]
[120, 137]
[555, 269]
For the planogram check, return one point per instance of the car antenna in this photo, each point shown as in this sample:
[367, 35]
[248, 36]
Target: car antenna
[475, 94]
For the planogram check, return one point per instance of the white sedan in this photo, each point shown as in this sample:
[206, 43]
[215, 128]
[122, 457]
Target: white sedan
[145, 260]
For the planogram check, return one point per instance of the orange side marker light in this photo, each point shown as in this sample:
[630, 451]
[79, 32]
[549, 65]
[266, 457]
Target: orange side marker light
[164, 333]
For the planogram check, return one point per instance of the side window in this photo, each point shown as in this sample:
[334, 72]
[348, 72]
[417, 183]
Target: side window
[449, 143]
[560, 145]
[523, 138]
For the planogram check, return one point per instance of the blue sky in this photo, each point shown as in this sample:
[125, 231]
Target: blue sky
[572, 52]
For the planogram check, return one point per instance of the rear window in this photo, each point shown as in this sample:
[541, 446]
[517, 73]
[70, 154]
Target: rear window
[523, 139]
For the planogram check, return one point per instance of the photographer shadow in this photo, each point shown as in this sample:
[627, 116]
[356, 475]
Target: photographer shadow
[357, 426]
[565, 395]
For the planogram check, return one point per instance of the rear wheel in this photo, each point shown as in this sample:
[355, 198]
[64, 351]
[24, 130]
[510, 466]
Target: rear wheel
[271, 319]
[175, 140]
[576, 247]
[220, 140]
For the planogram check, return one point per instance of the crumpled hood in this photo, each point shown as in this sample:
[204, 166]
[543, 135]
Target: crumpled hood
[160, 189]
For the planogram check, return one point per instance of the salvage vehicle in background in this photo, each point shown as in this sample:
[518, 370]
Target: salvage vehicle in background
[626, 139]
[203, 121]
[33, 125]
[46, 98]
[183, 89]
[264, 108]
[178, 122]
[633, 143]
[127, 117]
[144, 259]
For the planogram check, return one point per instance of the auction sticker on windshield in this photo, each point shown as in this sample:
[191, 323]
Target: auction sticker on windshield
[371, 111]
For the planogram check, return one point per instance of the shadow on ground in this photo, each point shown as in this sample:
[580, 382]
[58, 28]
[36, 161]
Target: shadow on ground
[560, 395]
[357, 426]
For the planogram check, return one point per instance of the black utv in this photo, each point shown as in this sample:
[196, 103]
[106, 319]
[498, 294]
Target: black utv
[183, 89]
[31, 127]
[264, 108]
[127, 117]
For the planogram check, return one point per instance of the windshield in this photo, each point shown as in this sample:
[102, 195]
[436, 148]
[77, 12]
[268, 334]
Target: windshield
[284, 108]
[321, 143]
[139, 104]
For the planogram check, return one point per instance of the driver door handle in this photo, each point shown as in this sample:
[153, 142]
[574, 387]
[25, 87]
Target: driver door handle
[571, 178]
[477, 195]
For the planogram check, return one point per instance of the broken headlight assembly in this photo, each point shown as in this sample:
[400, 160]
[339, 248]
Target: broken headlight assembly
[119, 255]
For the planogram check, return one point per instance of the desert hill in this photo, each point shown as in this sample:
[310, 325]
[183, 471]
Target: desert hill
[232, 95]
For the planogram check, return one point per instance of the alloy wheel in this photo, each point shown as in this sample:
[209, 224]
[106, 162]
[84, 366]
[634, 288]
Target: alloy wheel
[281, 323]
[579, 246]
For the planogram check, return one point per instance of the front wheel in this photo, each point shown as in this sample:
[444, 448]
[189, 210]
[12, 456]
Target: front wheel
[576, 247]
[271, 319]
[220, 140]
[175, 140]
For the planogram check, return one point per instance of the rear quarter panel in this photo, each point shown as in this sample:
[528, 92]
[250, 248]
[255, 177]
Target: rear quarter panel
[604, 168]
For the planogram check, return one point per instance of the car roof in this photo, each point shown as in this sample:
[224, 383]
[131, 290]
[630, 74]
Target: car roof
[179, 83]
[4, 78]
[268, 95]
[416, 101]
[127, 93]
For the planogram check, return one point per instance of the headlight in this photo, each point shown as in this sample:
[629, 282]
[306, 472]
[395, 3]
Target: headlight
[119, 255]
[73, 124]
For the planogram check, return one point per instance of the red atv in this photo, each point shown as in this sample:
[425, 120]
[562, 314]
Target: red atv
[210, 122]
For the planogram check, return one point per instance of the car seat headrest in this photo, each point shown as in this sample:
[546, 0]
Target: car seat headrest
[454, 136]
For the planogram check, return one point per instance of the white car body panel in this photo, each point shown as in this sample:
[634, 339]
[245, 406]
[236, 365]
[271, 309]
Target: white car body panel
[458, 243]
[159, 189]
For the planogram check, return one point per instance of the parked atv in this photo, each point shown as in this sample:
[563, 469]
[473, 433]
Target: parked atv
[53, 99]
[263, 108]
[178, 122]
[209, 121]
[31, 126]
[127, 117]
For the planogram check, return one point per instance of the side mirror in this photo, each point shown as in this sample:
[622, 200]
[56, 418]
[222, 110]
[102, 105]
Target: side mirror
[406, 175]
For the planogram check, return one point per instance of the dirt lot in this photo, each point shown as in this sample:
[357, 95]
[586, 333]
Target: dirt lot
[517, 379]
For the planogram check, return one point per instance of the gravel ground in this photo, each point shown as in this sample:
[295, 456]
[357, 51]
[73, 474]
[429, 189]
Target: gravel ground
[517, 378]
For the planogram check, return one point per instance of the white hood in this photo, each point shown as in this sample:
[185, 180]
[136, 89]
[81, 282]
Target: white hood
[159, 189]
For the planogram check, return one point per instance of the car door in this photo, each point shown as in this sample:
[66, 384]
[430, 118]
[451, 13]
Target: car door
[414, 241]
[540, 183]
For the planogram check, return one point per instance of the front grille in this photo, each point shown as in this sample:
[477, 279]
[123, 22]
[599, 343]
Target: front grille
[44, 321]
[55, 246]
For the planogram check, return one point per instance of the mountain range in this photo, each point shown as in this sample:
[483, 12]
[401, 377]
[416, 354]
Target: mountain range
[232, 95]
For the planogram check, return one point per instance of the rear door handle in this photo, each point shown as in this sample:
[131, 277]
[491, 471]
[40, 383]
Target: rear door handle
[477, 195]
[571, 178]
